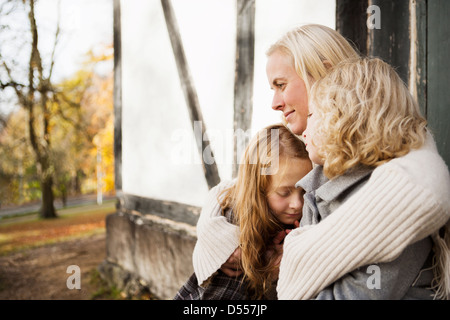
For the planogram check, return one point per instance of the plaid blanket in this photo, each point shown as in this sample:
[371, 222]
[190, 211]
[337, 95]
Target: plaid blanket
[219, 287]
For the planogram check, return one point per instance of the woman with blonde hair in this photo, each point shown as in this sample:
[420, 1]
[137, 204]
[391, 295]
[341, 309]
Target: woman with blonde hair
[347, 140]
[316, 256]
[255, 209]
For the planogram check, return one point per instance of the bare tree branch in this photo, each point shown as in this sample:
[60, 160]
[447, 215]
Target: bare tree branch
[57, 34]
[11, 83]
[4, 10]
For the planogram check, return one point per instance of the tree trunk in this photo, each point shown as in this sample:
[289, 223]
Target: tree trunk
[76, 182]
[47, 209]
[39, 133]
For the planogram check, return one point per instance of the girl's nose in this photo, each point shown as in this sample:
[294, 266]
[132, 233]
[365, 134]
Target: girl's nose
[296, 202]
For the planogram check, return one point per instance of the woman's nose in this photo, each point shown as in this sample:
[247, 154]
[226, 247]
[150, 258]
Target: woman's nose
[277, 102]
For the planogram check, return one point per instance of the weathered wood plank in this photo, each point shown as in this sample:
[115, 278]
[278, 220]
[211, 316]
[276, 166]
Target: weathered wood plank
[351, 17]
[243, 84]
[165, 209]
[392, 41]
[438, 74]
[419, 53]
[210, 170]
[117, 97]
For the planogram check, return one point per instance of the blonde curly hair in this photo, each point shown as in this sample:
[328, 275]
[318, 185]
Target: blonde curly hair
[366, 115]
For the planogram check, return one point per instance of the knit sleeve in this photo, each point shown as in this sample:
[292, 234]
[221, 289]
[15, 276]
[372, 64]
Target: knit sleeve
[391, 211]
[216, 237]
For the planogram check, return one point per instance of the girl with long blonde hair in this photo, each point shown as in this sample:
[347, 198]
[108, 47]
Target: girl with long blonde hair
[262, 203]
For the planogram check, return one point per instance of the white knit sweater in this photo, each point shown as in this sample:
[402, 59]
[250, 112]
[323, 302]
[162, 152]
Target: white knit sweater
[404, 201]
[216, 237]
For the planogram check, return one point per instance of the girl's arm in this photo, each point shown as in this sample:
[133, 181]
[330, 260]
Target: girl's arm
[217, 239]
[404, 201]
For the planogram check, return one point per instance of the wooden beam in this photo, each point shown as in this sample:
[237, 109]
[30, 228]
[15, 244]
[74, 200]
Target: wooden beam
[117, 98]
[165, 209]
[418, 64]
[243, 84]
[210, 170]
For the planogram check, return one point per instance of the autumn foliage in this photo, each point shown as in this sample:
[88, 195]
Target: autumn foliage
[81, 129]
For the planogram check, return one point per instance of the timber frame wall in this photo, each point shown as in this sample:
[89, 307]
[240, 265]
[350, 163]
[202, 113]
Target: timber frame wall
[243, 95]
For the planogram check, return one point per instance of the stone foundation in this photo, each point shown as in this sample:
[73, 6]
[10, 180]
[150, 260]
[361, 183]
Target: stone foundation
[145, 252]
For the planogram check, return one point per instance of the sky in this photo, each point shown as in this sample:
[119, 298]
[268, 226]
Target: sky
[84, 25]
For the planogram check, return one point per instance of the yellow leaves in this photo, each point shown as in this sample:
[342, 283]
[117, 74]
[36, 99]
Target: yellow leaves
[106, 54]
[104, 147]
[98, 109]
[81, 118]
[14, 149]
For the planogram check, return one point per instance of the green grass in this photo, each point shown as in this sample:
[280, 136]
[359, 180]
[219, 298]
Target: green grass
[104, 291]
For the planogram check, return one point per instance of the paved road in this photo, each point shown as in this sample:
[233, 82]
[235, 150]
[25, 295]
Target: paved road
[34, 207]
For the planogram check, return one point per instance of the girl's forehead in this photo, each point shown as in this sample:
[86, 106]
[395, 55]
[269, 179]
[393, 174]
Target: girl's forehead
[290, 170]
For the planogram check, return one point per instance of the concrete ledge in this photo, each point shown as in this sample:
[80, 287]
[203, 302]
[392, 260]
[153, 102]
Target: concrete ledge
[148, 252]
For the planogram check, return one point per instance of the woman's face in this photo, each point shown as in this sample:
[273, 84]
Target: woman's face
[290, 96]
[284, 199]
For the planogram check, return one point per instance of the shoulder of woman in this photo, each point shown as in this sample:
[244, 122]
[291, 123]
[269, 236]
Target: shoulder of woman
[424, 167]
